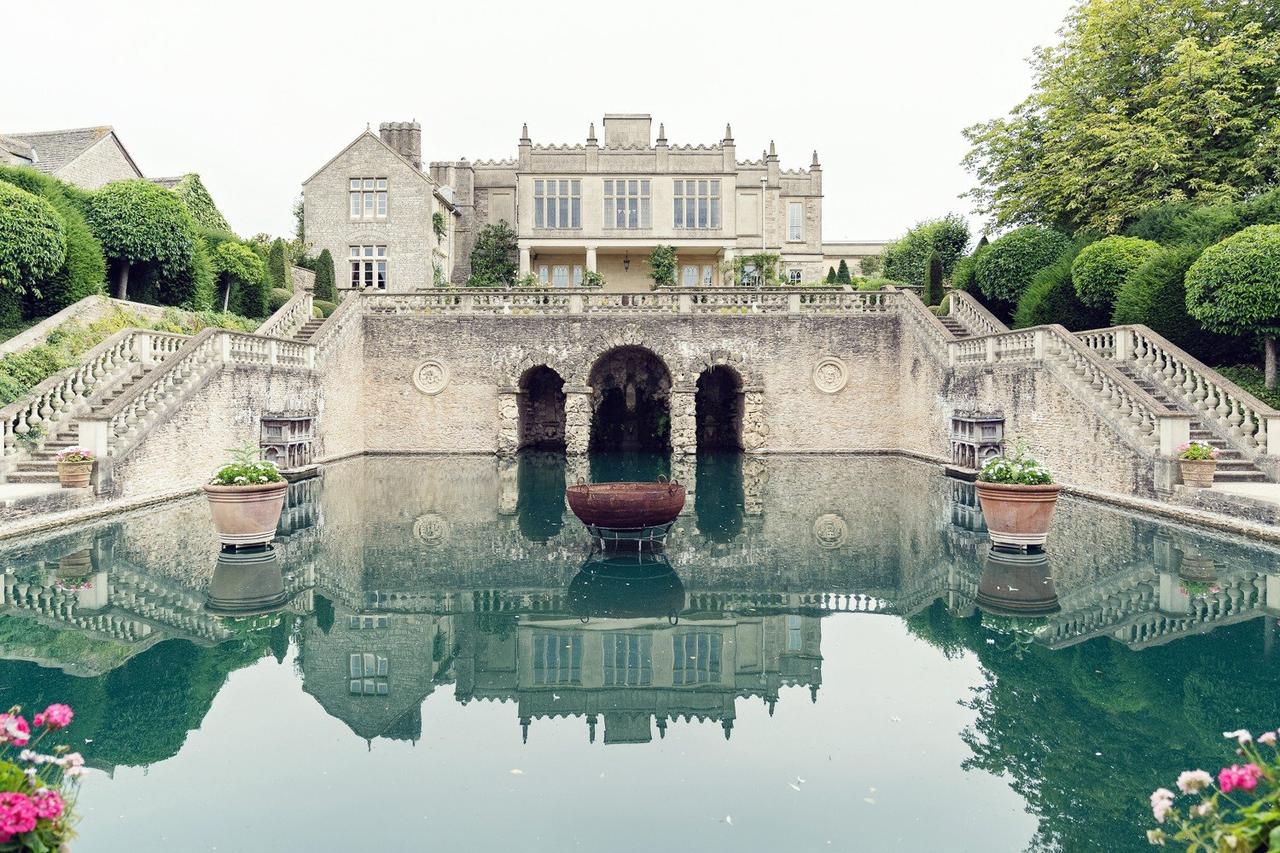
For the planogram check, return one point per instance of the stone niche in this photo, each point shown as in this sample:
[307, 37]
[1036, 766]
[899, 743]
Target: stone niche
[288, 439]
[975, 438]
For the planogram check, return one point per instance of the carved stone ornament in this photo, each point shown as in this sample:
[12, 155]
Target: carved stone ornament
[830, 530]
[430, 377]
[431, 528]
[830, 375]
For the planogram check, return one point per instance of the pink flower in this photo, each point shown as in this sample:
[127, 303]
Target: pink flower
[1191, 781]
[14, 730]
[17, 813]
[1268, 738]
[1241, 736]
[56, 716]
[48, 803]
[1245, 778]
[1161, 803]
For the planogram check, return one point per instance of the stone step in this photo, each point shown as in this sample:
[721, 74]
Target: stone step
[1253, 476]
[38, 464]
[32, 477]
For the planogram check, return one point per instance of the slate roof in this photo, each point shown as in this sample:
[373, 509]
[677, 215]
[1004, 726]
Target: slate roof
[56, 148]
[17, 147]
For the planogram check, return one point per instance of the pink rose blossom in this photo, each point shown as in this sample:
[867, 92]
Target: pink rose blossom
[56, 716]
[17, 813]
[1161, 803]
[1191, 781]
[1245, 778]
[14, 730]
[49, 804]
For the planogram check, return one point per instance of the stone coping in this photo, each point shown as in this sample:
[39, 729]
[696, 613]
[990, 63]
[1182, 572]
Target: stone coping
[1169, 511]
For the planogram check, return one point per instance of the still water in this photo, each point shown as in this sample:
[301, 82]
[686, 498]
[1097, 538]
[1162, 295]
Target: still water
[825, 657]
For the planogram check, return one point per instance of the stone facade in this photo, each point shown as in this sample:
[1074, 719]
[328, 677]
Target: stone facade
[88, 157]
[563, 203]
[388, 240]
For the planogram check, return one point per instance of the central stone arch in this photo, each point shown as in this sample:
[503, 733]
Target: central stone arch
[630, 400]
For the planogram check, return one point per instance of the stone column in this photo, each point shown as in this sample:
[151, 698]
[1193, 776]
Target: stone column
[591, 259]
[577, 419]
[525, 263]
[508, 485]
[684, 421]
[754, 428]
[508, 420]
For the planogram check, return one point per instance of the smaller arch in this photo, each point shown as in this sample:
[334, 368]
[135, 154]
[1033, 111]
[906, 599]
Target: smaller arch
[718, 409]
[541, 409]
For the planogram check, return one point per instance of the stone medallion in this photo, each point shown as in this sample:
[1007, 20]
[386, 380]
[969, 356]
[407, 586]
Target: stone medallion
[430, 377]
[830, 530]
[830, 374]
[431, 528]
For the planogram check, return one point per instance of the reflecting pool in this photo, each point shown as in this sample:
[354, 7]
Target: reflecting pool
[825, 656]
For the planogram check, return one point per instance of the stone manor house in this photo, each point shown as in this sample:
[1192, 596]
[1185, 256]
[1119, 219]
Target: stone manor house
[393, 224]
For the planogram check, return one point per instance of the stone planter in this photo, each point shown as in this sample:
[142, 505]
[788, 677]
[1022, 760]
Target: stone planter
[246, 515]
[1017, 516]
[1198, 473]
[75, 475]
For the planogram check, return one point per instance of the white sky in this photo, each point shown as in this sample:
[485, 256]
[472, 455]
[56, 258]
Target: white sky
[257, 95]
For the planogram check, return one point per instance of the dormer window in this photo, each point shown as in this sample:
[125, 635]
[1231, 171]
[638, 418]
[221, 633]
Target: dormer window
[368, 198]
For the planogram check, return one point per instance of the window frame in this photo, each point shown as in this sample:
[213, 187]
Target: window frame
[565, 203]
[369, 267]
[699, 199]
[368, 199]
[637, 207]
[795, 230]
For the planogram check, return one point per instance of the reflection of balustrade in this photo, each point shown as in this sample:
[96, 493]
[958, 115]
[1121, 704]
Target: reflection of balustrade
[1234, 414]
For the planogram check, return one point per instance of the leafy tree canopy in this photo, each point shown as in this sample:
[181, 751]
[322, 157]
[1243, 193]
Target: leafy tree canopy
[1139, 103]
[1234, 286]
[1005, 267]
[906, 259]
[33, 242]
[139, 222]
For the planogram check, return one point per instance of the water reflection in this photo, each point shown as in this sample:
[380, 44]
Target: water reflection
[389, 580]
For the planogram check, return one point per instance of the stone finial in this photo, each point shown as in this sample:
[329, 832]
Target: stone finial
[591, 134]
[728, 132]
[815, 164]
[524, 132]
[773, 149]
[662, 133]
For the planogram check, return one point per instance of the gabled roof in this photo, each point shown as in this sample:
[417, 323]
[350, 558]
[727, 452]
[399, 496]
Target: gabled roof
[17, 147]
[369, 133]
[54, 149]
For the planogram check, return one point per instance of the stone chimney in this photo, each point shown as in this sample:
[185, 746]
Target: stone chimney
[405, 138]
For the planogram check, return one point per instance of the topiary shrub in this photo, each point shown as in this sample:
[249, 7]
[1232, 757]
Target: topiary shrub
[1234, 288]
[1051, 298]
[842, 274]
[932, 292]
[238, 268]
[1006, 267]
[83, 269]
[493, 260]
[907, 258]
[276, 299]
[140, 223]
[831, 275]
[324, 288]
[325, 307]
[1100, 269]
[33, 246]
[278, 266]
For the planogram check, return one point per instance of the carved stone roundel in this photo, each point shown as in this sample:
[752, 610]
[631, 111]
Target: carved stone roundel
[830, 375]
[430, 377]
[431, 528]
[830, 530]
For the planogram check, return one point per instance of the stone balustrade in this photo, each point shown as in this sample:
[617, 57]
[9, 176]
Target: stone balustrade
[973, 315]
[290, 317]
[66, 395]
[1234, 414]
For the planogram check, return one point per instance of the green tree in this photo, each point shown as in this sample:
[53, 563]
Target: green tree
[493, 260]
[195, 197]
[324, 286]
[662, 266]
[871, 265]
[1100, 270]
[1005, 268]
[842, 275]
[239, 269]
[932, 291]
[907, 258]
[141, 223]
[1139, 103]
[83, 270]
[831, 275]
[33, 245]
[278, 265]
[1051, 298]
[1234, 288]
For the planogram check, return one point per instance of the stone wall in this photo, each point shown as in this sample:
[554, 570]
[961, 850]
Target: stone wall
[101, 164]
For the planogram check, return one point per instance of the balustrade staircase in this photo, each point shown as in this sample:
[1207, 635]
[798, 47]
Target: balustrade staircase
[309, 328]
[955, 327]
[1232, 466]
[41, 465]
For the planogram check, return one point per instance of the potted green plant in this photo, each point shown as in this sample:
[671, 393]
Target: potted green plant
[1198, 460]
[591, 278]
[75, 467]
[246, 497]
[1018, 497]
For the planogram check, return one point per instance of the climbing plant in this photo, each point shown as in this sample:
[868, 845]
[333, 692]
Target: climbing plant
[662, 266]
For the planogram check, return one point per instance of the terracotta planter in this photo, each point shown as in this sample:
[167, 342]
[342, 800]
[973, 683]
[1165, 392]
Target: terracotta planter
[1198, 473]
[1017, 516]
[246, 515]
[1017, 584]
[74, 475]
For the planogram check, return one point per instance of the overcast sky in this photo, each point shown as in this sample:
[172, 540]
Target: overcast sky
[255, 96]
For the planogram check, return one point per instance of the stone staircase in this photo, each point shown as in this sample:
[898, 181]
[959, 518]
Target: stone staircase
[955, 327]
[42, 465]
[308, 329]
[1232, 466]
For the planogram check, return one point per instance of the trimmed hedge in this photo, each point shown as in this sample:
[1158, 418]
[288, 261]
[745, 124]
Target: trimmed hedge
[324, 306]
[1100, 270]
[144, 225]
[276, 299]
[1006, 267]
[324, 288]
[1234, 286]
[1051, 298]
[907, 258]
